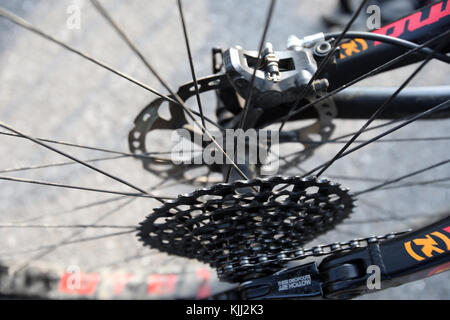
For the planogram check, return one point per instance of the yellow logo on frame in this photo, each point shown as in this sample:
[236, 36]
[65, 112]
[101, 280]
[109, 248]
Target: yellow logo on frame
[429, 246]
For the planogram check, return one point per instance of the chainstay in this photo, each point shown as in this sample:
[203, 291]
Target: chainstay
[316, 251]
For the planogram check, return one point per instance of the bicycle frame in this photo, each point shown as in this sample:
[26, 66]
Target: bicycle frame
[412, 256]
[358, 57]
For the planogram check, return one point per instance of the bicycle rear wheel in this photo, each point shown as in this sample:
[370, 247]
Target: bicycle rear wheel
[54, 94]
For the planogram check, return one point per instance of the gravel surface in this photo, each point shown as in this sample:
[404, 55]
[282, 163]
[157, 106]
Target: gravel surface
[49, 92]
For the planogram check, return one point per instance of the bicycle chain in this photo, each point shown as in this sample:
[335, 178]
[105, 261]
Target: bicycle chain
[223, 231]
[316, 251]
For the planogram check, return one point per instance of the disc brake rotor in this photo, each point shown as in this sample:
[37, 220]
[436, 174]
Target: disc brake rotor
[310, 137]
[247, 225]
[230, 88]
[150, 119]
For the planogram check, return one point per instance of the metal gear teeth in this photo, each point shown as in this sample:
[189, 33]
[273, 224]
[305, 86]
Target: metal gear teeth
[264, 261]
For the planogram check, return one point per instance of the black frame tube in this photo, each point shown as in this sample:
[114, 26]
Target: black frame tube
[359, 56]
[362, 102]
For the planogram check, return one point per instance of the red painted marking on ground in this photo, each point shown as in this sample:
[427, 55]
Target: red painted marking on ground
[204, 289]
[159, 284]
[120, 281]
[79, 283]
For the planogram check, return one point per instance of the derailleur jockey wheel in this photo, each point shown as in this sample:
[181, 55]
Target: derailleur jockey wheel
[247, 228]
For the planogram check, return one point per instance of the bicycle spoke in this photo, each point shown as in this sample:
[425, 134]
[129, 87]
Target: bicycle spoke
[323, 64]
[56, 226]
[379, 186]
[191, 61]
[67, 163]
[394, 217]
[59, 164]
[351, 178]
[396, 140]
[121, 154]
[388, 213]
[98, 237]
[334, 141]
[388, 123]
[148, 155]
[442, 106]
[15, 269]
[427, 183]
[159, 185]
[51, 184]
[79, 161]
[380, 220]
[373, 72]
[75, 209]
[70, 238]
[382, 108]
[73, 235]
[247, 104]
[100, 9]
[156, 74]
[25, 24]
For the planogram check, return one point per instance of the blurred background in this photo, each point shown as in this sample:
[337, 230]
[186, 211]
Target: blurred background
[51, 93]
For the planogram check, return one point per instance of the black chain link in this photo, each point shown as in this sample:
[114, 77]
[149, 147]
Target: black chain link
[317, 251]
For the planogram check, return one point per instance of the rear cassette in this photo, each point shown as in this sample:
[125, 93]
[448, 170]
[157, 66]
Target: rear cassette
[247, 227]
